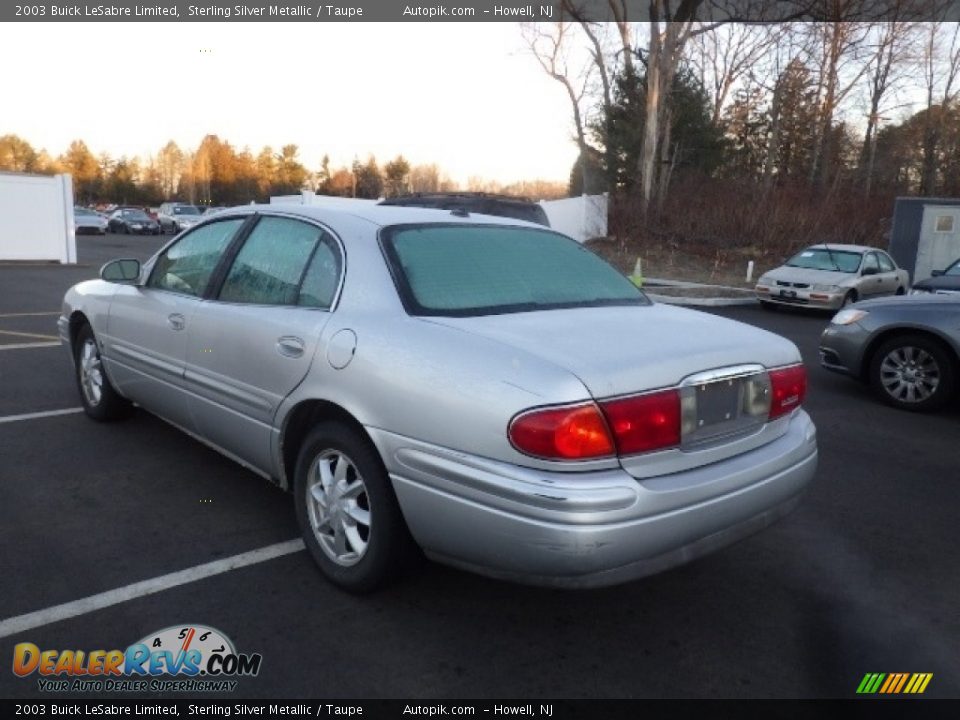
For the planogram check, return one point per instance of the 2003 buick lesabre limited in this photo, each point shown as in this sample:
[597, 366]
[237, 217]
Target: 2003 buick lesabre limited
[484, 389]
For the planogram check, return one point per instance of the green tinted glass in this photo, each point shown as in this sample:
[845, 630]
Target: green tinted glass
[186, 266]
[465, 270]
[268, 268]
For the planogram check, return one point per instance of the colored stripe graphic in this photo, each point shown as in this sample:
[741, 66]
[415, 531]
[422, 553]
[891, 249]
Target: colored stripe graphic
[894, 683]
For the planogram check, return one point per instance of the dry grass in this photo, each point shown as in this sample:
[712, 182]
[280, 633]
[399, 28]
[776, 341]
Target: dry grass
[709, 229]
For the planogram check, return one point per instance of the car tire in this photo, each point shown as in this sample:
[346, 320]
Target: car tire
[849, 299]
[913, 372]
[99, 398]
[900, 291]
[352, 526]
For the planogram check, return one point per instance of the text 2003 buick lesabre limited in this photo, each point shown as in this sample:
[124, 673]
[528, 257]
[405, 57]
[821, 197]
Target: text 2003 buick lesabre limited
[484, 389]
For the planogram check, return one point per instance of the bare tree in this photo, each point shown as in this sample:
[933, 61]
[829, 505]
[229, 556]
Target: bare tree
[886, 67]
[841, 68]
[941, 68]
[549, 44]
[729, 53]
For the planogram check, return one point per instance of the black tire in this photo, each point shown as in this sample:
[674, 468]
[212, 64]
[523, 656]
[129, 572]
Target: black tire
[387, 546]
[110, 405]
[849, 299]
[922, 360]
[900, 291]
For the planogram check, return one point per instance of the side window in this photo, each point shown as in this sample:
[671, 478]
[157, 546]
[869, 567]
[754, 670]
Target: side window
[186, 266]
[886, 264]
[870, 262]
[320, 282]
[271, 264]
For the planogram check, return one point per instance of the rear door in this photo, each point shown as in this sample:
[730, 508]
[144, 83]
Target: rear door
[146, 341]
[252, 341]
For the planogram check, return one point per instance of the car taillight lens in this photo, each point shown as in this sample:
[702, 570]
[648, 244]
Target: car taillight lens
[788, 389]
[645, 422]
[570, 433]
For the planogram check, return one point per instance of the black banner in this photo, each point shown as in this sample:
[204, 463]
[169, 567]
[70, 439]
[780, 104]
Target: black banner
[543, 709]
[475, 11]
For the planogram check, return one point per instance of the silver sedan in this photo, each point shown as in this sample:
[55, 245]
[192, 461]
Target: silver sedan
[830, 276]
[480, 389]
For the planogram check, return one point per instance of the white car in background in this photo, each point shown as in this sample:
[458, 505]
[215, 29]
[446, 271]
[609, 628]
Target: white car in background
[88, 221]
[832, 276]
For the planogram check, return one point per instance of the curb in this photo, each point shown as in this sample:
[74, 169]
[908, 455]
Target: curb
[701, 302]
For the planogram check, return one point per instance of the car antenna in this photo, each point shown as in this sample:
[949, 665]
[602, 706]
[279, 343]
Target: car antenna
[833, 260]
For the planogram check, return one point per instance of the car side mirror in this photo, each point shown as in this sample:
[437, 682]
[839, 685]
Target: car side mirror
[121, 271]
[869, 271]
[936, 273]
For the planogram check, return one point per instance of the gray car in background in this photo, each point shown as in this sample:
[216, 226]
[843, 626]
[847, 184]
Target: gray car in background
[908, 348]
[484, 389]
[830, 276]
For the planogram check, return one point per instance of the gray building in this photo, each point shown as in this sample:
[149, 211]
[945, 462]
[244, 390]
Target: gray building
[925, 235]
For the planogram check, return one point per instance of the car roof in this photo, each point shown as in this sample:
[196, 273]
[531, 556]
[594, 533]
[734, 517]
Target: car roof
[843, 248]
[379, 215]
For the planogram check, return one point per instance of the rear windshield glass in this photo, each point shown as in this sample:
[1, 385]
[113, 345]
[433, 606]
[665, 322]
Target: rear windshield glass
[465, 270]
[834, 260]
[185, 210]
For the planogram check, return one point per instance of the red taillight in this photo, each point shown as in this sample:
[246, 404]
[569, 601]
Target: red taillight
[788, 388]
[569, 433]
[645, 422]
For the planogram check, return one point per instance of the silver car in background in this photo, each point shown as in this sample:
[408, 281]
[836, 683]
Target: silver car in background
[830, 276]
[483, 389]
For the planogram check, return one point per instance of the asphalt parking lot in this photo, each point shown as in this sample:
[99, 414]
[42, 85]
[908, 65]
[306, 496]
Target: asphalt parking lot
[863, 577]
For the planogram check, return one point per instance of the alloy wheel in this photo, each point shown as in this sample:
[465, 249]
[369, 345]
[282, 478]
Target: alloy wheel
[91, 372]
[338, 507]
[909, 374]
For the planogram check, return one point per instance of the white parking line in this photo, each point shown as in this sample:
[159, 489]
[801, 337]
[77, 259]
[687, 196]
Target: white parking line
[26, 334]
[23, 346]
[28, 314]
[34, 416]
[22, 623]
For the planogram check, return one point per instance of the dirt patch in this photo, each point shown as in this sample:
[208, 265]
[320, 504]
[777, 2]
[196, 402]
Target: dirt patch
[721, 267]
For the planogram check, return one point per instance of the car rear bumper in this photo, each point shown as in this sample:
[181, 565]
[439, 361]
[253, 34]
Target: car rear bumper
[597, 528]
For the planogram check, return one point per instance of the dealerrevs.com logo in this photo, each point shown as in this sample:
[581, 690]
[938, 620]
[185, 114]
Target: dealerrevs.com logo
[182, 658]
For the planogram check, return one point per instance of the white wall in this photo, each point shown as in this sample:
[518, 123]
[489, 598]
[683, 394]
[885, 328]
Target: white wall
[308, 197]
[36, 218]
[582, 218]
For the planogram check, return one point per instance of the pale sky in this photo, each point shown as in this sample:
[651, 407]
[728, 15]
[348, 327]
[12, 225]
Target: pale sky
[466, 96]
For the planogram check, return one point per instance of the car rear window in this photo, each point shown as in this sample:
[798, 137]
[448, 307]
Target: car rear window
[466, 270]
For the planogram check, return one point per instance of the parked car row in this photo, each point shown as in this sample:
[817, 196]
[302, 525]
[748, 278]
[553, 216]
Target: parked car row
[173, 217]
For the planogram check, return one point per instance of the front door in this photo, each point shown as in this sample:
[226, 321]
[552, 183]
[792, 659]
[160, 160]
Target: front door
[145, 345]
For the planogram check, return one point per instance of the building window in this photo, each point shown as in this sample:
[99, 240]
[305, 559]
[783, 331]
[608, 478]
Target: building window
[944, 224]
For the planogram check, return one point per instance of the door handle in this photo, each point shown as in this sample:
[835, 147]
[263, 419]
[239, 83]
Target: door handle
[290, 346]
[176, 321]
